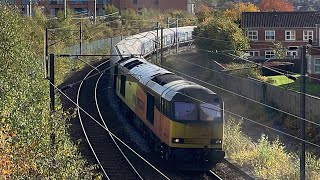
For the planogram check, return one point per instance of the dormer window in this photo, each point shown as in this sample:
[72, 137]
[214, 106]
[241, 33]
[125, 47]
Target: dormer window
[252, 35]
[290, 35]
[270, 35]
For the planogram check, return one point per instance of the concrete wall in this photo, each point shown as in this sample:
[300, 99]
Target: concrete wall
[278, 97]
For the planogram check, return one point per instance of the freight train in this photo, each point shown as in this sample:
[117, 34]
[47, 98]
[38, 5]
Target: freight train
[181, 120]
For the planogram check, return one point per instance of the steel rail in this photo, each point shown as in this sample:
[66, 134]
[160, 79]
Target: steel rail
[215, 175]
[105, 125]
[83, 129]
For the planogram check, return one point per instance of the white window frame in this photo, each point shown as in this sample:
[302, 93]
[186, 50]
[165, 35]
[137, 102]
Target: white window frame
[291, 52]
[269, 53]
[253, 53]
[306, 35]
[251, 36]
[291, 36]
[268, 31]
[316, 65]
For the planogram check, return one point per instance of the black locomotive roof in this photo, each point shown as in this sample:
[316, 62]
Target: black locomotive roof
[194, 89]
[166, 78]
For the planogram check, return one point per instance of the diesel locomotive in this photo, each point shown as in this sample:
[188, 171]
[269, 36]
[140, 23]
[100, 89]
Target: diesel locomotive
[180, 119]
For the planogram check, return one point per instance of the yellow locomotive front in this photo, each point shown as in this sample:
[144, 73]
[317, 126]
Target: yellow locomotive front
[196, 127]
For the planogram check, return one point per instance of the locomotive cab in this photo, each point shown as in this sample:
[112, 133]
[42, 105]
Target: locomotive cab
[197, 128]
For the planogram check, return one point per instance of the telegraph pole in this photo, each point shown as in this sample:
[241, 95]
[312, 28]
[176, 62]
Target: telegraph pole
[303, 111]
[157, 42]
[177, 40]
[80, 38]
[168, 22]
[161, 51]
[95, 11]
[30, 8]
[65, 8]
[121, 22]
[52, 109]
[46, 54]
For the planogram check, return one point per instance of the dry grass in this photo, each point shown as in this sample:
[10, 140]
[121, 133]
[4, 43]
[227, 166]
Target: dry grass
[266, 160]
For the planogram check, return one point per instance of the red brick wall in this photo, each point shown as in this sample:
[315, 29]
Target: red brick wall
[262, 44]
[163, 4]
[173, 4]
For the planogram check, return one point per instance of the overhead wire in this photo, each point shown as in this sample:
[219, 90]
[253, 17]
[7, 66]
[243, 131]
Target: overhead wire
[91, 117]
[228, 41]
[248, 50]
[242, 96]
[253, 121]
[261, 65]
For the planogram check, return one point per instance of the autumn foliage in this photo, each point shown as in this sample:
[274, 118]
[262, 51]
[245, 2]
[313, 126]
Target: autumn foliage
[275, 5]
[236, 10]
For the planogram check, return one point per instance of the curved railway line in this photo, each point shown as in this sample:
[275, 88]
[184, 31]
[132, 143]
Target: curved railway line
[102, 122]
[115, 160]
[103, 146]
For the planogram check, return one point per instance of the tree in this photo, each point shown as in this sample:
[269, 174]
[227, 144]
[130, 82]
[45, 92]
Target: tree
[185, 18]
[24, 119]
[279, 50]
[275, 5]
[235, 11]
[220, 34]
[203, 13]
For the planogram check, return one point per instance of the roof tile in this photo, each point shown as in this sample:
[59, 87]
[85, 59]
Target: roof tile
[280, 19]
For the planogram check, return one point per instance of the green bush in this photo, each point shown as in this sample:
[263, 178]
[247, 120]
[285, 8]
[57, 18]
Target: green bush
[26, 123]
[265, 159]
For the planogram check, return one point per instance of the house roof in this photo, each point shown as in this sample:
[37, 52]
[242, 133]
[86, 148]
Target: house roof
[280, 19]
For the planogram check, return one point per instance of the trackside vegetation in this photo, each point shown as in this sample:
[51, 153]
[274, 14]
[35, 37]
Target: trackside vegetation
[26, 124]
[25, 149]
[265, 159]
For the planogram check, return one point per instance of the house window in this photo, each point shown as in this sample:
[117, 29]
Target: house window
[135, 1]
[269, 54]
[252, 35]
[290, 35]
[254, 53]
[270, 35]
[307, 35]
[292, 53]
[317, 65]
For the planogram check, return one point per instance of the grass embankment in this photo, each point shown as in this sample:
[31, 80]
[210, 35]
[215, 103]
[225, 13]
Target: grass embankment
[283, 81]
[265, 159]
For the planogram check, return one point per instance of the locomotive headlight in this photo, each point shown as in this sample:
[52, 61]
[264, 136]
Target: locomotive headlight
[178, 140]
[216, 141]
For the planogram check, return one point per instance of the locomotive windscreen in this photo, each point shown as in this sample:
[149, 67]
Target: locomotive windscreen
[185, 111]
[207, 109]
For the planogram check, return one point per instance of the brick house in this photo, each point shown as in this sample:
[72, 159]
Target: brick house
[292, 29]
[314, 62]
[86, 7]
[51, 7]
[186, 5]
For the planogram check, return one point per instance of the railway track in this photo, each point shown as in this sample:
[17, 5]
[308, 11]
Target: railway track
[113, 163]
[115, 159]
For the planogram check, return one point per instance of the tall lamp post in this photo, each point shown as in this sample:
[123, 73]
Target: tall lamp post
[303, 111]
